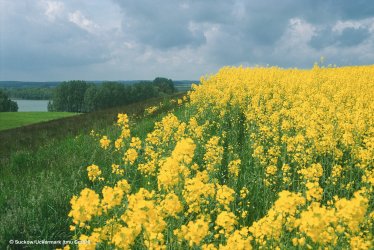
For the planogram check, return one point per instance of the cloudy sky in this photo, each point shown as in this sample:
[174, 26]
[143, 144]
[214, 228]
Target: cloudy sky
[45, 40]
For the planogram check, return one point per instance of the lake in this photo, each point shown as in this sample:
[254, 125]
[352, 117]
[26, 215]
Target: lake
[32, 105]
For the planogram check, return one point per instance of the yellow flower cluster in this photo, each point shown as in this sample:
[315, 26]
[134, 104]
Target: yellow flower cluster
[105, 142]
[111, 197]
[93, 172]
[84, 207]
[234, 167]
[263, 158]
[116, 169]
[175, 166]
[194, 232]
[150, 110]
[226, 221]
[213, 154]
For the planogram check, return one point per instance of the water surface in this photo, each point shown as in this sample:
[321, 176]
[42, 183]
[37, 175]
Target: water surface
[32, 105]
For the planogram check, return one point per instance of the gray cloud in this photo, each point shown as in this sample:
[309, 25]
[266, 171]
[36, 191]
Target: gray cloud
[357, 9]
[353, 37]
[41, 36]
[31, 40]
[323, 38]
[246, 31]
[348, 37]
[160, 25]
[121, 39]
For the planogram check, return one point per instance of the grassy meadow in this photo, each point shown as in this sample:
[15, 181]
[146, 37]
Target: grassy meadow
[41, 172]
[10, 120]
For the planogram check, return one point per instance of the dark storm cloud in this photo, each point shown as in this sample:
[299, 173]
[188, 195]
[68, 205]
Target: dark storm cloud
[167, 24]
[353, 37]
[247, 30]
[159, 25]
[121, 39]
[357, 9]
[346, 38]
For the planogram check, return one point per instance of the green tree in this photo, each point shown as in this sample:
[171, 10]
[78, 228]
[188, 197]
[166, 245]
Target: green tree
[79, 96]
[50, 107]
[7, 105]
[91, 98]
[30, 93]
[112, 94]
[164, 85]
[69, 96]
[106, 95]
[143, 90]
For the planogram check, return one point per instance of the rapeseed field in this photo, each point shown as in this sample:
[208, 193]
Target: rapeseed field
[257, 158]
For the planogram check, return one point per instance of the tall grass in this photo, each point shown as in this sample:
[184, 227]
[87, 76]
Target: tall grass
[37, 183]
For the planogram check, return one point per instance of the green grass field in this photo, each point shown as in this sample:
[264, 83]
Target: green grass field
[18, 119]
[37, 184]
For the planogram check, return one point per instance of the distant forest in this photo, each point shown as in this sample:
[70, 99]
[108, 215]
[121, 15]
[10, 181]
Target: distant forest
[30, 93]
[81, 96]
[45, 90]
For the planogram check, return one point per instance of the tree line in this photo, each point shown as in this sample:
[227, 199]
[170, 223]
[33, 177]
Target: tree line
[81, 96]
[7, 105]
[30, 93]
